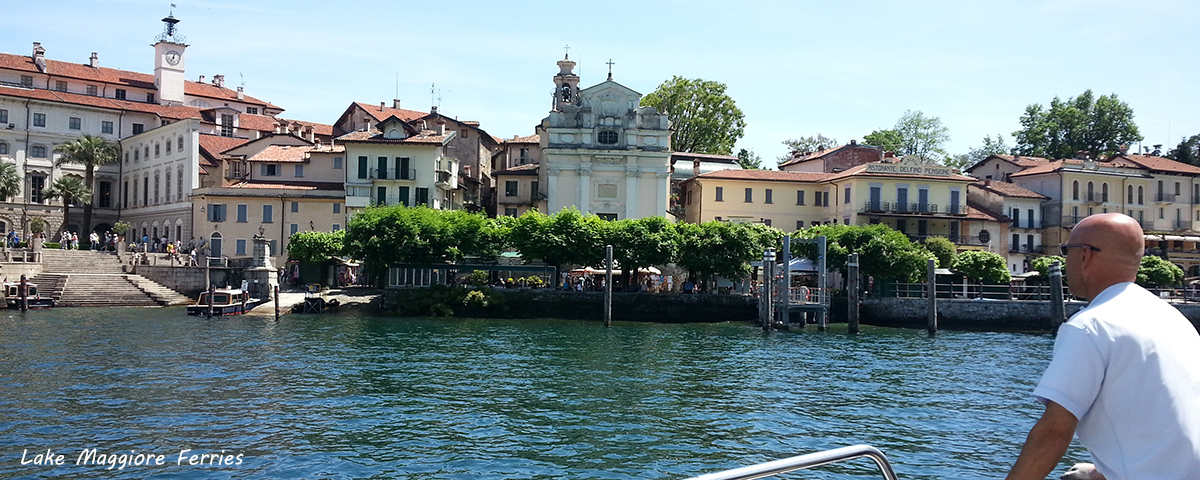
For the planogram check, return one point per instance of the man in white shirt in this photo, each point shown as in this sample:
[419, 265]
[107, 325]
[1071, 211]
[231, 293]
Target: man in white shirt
[1125, 375]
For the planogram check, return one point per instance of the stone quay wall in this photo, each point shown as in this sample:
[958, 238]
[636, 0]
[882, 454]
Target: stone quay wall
[632, 307]
[188, 281]
[959, 314]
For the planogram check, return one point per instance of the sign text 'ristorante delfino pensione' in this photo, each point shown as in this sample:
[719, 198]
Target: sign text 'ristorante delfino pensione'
[911, 165]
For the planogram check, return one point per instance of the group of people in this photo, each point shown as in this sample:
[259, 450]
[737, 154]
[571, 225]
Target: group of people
[183, 253]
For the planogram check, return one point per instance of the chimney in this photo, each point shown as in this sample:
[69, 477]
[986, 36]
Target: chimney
[695, 166]
[396, 103]
[219, 81]
[433, 109]
[441, 126]
[39, 56]
[889, 154]
[201, 80]
[95, 60]
[241, 93]
[516, 137]
[853, 142]
[308, 130]
[381, 106]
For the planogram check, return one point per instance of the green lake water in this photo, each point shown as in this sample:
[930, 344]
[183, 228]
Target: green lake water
[348, 396]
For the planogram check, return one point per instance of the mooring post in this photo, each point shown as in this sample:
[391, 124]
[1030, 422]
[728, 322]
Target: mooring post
[608, 263]
[931, 274]
[822, 285]
[211, 292]
[852, 277]
[1058, 311]
[768, 297]
[277, 303]
[24, 294]
[785, 313]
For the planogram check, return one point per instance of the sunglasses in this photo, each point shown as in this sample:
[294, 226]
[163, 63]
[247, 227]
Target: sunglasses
[1063, 248]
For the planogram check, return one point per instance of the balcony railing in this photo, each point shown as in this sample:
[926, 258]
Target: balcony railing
[904, 207]
[1096, 198]
[1165, 198]
[1029, 224]
[1026, 248]
[443, 177]
[1181, 225]
[394, 174]
[970, 240]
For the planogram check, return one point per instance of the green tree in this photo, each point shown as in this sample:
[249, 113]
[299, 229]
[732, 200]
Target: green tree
[984, 267]
[10, 181]
[978, 154]
[90, 152]
[566, 238]
[803, 145]
[887, 140]
[386, 235]
[1097, 127]
[70, 190]
[749, 160]
[922, 136]
[1188, 151]
[643, 242]
[1042, 265]
[883, 251]
[704, 119]
[723, 249]
[316, 247]
[1156, 272]
[943, 249]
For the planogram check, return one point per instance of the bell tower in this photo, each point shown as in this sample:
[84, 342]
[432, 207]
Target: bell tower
[169, 63]
[566, 84]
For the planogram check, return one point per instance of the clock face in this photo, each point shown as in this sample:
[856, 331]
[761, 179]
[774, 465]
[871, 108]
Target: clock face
[173, 57]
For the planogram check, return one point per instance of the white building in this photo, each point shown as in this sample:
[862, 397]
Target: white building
[603, 153]
[400, 165]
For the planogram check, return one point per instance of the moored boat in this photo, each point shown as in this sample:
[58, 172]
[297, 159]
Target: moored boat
[225, 301]
[12, 296]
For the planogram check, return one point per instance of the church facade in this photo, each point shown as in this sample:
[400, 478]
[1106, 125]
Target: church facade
[602, 153]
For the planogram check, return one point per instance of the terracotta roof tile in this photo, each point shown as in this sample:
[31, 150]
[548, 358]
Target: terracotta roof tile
[766, 175]
[1159, 163]
[426, 137]
[860, 171]
[282, 154]
[1009, 190]
[258, 184]
[977, 214]
[382, 114]
[681, 156]
[215, 145]
[527, 169]
[527, 139]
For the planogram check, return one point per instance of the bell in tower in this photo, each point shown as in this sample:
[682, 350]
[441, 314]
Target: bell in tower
[566, 84]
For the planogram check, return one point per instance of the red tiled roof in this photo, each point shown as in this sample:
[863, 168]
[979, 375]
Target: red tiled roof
[1009, 190]
[427, 136]
[215, 145]
[382, 114]
[120, 77]
[287, 185]
[282, 154]
[1024, 161]
[860, 171]
[1159, 163]
[677, 156]
[527, 169]
[766, 175]
[977, 214]
[527, 139]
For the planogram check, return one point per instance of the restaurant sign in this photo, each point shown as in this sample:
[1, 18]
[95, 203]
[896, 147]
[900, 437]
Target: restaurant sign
[911, 165]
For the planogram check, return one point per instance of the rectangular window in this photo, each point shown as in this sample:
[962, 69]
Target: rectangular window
[799, 224]
[337, 208]
[179, 184]
[422, 196]
[149, 98]
[275, 247]
[39, 119]
[817, 199]
[295, 207]
[533, 188]
[363, 166]
[720, 194]
[145, 191]
[337, 226]
[120, 94]
[749, 195]
[381, 196]
[105, 194]
[252, 110]
[75, 123]
[27, 81]
[3, 115]
[36, 184]
[241, 212]
[60, 85]
[799, 197]
[216, 212]
[91, 90]
[403, 172]
[846, 197]
[403, 200]
[825, 198]
[125, 194]
[240, 248]
[381, 170]
[268, 214]
[510, 188]
[294, 228]
[767, 197]
[270, 170]
[138, 128]
[337, 163]
[106, 127]
[510, 211]
[226, 125]
[299, 171]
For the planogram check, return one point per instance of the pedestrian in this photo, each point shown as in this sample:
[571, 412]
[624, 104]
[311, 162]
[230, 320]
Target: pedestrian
[191, 244]
[64, 239]
[1125, 376]
[93, 240]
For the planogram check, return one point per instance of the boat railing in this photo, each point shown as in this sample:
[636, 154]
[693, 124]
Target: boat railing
[806, 461]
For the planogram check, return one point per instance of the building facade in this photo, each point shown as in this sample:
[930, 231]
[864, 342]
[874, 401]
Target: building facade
[400, 165]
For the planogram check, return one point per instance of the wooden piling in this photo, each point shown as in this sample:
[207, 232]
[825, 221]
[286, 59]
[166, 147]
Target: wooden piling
[768, 289]
[854, 290]
[785, 311]
[211, 292]
[1058, 311]
[608, 263]
[822, 284]
[277, 303]
[931, 274]
[24, 293]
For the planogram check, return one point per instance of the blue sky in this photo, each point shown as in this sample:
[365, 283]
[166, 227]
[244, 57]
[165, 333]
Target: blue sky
[841, 69]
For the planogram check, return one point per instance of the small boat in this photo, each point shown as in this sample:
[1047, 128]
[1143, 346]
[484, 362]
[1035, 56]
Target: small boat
[225, 301]
[12, 296]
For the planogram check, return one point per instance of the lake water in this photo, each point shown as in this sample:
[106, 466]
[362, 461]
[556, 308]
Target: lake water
[347, 396]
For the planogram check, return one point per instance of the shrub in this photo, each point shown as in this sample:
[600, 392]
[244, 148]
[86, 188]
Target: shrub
[478, 278]
[475, 298]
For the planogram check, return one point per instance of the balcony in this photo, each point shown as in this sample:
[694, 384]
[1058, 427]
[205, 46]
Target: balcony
[1165, 198]
[1027, 224]
[1026, 248]
[445, 179]
[1095, 198]
[393, 174]
[902, 207]
[967, 240]
[538, 196]
[1181, 225]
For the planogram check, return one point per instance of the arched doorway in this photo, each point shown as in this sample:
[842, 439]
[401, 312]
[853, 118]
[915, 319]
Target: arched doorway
[102, 228]
[214, 245]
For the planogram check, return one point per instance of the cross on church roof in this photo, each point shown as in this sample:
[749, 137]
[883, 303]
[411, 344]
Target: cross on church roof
[610, 64]
[567, 48]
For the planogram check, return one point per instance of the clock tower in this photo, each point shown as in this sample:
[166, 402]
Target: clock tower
[169, 63]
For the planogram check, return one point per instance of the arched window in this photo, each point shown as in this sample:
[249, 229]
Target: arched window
[1141, 196]
[565, 93]
[168, 147]
[1104, 192]
[167, 184]
[1091, 192]
[1131, 194]
[1075, 190]
[3, 148]
[181, 143]
[146, 152]
[157, 150]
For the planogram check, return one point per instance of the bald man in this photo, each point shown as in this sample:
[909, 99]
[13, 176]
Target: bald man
[1125, 375]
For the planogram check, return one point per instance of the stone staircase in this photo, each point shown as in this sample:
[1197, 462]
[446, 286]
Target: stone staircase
[81, 278]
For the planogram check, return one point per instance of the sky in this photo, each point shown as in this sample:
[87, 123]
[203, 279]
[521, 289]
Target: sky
[796, 68]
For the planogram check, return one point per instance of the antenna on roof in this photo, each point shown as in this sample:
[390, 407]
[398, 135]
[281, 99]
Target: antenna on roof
[243, 77]
[432, 87]
[397, 84]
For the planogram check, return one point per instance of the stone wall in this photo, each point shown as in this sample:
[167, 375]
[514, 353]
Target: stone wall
[974, 314]
[546, 303]
[188, 281]
[13, 270]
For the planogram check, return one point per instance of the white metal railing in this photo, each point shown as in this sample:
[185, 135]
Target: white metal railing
[806, 461]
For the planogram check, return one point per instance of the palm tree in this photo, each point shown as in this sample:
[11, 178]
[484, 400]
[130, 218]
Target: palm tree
[70, 190]
[10, 181]
[91, 152]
